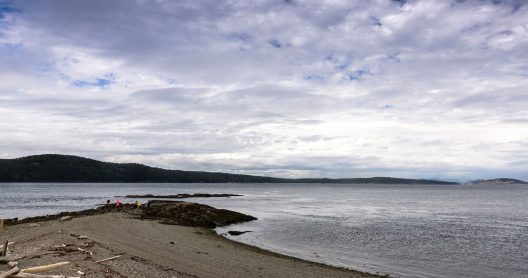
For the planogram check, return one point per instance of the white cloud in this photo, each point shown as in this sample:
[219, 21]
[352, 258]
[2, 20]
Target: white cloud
[293, 88]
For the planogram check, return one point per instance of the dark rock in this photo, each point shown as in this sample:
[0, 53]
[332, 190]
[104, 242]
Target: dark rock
[169, 212]
[237, 233]
[182, 196]
[192, 214]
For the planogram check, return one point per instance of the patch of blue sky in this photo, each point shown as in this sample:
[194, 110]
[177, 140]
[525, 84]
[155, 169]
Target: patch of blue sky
[173, 81]
[523, 71]
[339, 63]
[9, 47]
[45, 67]
[6, 8]
[357, 75]
[243, 39]
[401, 2]
[275, 43]
[239, 37]
[342, 66]
[98, 82]
[376, 21]
[314, 77]
[395, 58]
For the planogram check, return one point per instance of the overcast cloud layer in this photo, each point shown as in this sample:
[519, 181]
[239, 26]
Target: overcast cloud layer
[418, 89]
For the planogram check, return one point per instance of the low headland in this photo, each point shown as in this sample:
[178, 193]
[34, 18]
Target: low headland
[499, 181]
[161, 238]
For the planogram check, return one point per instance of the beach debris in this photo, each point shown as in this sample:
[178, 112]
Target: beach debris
[63, 249]
[9, 273]
[45, 268]
[9, 244]
[9, 258]
[1, 227]
[65, 218]
[55, 247]
[12, 263]
[30, 275]
[6, 246]
[85, 251]
[33, 225]
[78, 236]
[80, 272]
[108, 259]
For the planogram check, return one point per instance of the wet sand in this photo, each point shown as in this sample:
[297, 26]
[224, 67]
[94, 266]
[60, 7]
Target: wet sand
[150, 249]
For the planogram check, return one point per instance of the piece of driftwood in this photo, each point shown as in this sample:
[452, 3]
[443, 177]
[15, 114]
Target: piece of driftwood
[108, 259]
[84, 251]
[6, 259]
[9, 244]
[9, 273]
[45, 268]
[4, 250]
[31, 275]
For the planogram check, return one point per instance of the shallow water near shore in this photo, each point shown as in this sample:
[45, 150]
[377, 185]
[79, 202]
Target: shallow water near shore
[402, 230]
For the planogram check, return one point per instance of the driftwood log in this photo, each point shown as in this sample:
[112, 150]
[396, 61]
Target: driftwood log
[6, 246]
[45, 268]
[108, 259]
[30, 275]
[16, 272]
[9, 273]
[10, 258]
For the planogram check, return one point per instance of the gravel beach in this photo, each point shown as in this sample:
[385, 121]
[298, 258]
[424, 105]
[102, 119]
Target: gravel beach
[149, 248]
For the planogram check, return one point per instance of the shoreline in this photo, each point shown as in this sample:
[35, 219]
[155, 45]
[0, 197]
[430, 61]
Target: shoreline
[104, 226]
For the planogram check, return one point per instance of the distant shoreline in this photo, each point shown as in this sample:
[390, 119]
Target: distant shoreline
[66, 168]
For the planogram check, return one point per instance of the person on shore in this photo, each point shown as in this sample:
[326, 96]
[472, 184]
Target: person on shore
[138, 204]
[118, 203]
[108, 202]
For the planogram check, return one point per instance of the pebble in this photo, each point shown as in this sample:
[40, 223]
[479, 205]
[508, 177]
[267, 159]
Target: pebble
[65, 218]
[12, 264]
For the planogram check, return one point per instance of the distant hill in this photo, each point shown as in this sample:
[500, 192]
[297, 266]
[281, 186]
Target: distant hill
[500, 181]
[67, 168]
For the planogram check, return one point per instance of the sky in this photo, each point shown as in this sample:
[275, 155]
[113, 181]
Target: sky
[315, 88]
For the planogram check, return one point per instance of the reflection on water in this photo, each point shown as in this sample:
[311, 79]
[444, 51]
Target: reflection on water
[406, 230]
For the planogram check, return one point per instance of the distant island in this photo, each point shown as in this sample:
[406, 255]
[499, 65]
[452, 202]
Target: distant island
[68, 168]
[500, 181]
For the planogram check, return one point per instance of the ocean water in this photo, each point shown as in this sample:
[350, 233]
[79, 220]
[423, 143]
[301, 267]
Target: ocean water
[401, 230]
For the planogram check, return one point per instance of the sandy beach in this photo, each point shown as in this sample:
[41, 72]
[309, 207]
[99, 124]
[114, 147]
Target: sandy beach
[149, 248]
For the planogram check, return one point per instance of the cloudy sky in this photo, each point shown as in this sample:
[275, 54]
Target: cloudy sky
[333, 88]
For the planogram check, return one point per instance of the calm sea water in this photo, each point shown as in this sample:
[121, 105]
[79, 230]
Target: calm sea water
[402, 230]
